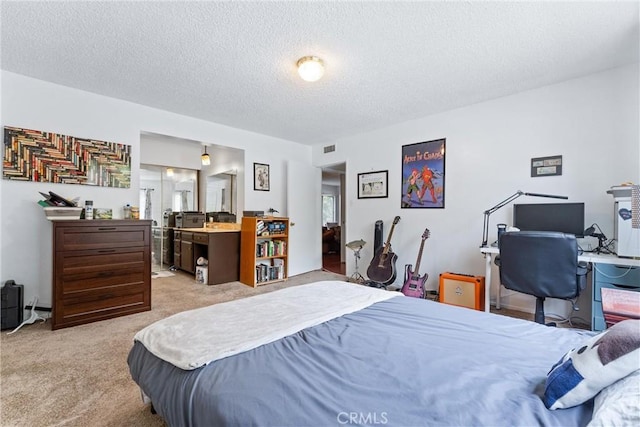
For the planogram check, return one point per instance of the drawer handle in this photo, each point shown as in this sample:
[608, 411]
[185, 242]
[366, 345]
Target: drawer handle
[626, 286]
[105, 251]
[106, 228]
[106, 274]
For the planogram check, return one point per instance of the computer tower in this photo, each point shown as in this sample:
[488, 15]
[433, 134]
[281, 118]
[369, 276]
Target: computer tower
[463, 290]
[12, 304]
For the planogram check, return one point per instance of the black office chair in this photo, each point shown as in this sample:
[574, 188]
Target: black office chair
[543, 264]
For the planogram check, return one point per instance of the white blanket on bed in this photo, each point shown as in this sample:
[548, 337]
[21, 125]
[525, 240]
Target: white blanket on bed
[194, 338]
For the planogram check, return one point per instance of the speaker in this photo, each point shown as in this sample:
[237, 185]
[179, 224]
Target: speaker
[463, 290]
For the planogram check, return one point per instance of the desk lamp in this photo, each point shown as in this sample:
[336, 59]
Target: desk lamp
[485, 229]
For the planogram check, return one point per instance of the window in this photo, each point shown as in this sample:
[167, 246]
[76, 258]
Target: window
[328, 208]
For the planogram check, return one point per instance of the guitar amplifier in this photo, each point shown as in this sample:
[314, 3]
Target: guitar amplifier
[463, 290]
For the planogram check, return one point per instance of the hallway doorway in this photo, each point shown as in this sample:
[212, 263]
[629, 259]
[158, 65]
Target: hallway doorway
[331, 262]
[333, 218]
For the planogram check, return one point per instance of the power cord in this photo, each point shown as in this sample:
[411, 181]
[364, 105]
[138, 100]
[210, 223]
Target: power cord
[570, 318]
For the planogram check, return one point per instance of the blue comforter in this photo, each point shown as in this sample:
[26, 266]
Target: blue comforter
[400, 362]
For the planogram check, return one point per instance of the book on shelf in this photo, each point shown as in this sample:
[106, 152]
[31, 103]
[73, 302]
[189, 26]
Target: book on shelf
[267, 272]
[270, 248]
[278, 265]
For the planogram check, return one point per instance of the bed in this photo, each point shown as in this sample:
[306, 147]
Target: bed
[336, 353]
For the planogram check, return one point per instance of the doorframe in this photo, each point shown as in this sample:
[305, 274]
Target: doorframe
[341, 169]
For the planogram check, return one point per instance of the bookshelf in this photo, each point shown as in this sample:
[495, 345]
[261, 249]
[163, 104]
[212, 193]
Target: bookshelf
[264, 245]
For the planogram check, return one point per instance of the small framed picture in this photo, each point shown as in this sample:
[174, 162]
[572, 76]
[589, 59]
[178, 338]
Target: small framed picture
[373, 185]
[102, 213]
[546, 166]
[260, 177]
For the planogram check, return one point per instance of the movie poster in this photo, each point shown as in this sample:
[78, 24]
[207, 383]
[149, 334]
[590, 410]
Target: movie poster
[423, 174]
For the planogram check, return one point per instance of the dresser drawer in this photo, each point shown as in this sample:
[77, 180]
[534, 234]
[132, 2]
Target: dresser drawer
[202, 238]
[98, 304]
[187, 236]
[597, 293]
[96, 271]
[100, 237]
[617, 275]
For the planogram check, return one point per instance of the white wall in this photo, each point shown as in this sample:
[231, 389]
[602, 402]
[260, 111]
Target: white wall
[174, 152]
[592, 122]
[35, 104]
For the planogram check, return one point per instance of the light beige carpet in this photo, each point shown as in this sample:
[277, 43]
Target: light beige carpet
[79, 376]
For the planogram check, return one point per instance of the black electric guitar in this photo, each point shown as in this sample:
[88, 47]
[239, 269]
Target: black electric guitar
[383, 265]
[413, 282]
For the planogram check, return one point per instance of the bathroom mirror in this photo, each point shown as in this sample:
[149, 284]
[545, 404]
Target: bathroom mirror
[221, 192]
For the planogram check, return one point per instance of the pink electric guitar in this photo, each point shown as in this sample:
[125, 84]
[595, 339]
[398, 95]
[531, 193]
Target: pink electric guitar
[413, 282]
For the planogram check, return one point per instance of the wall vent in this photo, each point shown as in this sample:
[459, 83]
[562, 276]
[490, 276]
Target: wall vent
[329, 148]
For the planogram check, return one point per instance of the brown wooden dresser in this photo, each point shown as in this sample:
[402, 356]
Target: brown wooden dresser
[101, 269]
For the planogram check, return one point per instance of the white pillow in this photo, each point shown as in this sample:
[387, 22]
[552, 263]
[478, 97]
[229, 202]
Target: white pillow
[618, 404]
[600, 361]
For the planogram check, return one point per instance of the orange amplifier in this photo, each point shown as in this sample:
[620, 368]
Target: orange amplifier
[463, 290]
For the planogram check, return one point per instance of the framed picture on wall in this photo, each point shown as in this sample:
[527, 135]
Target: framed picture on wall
[43, 156]
[260, 177]
[546, 166]
[373, 185]
[423, 174]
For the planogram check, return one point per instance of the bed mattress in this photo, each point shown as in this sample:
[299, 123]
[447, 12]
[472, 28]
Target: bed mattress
[399, 362]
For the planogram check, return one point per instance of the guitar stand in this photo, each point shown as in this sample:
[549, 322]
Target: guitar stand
[373, 284]
[357, 278]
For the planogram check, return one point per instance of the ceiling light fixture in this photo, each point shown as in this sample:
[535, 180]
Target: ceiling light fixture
[206, 160]
[310, 68]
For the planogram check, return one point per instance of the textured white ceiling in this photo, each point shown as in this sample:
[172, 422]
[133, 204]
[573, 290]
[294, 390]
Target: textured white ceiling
[386, 62]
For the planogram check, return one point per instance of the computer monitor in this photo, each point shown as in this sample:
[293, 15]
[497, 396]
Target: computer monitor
[562, 217]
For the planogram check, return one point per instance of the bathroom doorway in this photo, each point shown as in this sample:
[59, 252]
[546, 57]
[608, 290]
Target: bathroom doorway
[163, 191]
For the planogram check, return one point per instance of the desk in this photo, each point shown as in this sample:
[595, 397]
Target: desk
[594, 259]
[220, 245]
